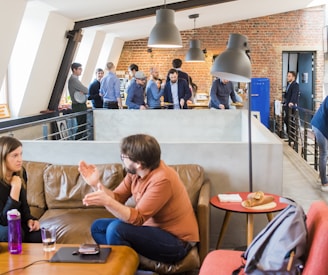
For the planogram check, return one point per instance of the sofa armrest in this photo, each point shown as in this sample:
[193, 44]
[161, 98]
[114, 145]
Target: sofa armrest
[203, 216]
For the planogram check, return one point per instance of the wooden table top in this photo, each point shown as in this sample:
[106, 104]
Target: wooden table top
[122, 260]
[237, 207]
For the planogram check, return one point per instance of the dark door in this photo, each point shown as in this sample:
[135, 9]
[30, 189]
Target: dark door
[302, 64]
[305, 68]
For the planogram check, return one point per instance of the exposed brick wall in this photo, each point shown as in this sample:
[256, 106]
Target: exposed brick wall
[268, 37]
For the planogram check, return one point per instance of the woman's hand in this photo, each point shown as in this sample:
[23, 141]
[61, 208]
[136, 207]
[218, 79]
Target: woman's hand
[90, 174]
[33, 225]
[16, 185]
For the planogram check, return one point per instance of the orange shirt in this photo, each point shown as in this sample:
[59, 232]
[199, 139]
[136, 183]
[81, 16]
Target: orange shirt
[161, 201]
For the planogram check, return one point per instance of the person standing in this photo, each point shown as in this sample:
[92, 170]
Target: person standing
[162, 226]
[110, 89]
[291, 98]
[221, 90]
[136, 92]
[176, 91]
[319, 124]
[154, 92]
[78, 93]
[94, 88]
[132, 69]
[177, 64]
[13, 180]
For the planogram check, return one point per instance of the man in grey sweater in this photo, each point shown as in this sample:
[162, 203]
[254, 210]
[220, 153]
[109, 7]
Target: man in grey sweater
[78, 93]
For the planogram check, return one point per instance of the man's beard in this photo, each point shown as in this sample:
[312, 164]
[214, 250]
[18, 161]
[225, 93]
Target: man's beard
[131, 170]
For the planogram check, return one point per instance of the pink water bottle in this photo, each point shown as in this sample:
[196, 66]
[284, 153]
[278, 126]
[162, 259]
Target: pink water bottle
[14, 232]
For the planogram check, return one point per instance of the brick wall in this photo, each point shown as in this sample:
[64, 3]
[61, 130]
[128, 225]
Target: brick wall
[268, 37]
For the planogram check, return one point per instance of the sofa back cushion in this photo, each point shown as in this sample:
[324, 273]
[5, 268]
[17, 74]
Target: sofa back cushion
[35, 184]
[192, 176]
[65, 188]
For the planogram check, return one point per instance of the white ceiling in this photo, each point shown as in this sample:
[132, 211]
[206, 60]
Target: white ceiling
[211, 15]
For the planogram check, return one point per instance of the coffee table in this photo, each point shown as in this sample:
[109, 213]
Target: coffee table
[122, 260]
[236, 207]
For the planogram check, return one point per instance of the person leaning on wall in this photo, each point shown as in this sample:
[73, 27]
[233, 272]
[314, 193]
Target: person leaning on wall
[78, 93]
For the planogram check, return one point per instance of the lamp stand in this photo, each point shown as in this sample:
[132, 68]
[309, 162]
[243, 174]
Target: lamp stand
[250, 162]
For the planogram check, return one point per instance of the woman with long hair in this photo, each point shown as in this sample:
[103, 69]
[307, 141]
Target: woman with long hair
[13, 180]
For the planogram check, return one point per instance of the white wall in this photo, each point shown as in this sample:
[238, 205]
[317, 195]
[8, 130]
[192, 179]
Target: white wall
[11, 14]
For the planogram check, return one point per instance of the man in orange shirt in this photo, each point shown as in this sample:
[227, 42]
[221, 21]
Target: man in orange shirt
[162, 226]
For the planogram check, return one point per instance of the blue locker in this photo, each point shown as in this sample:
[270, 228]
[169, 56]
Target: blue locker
[260, 92]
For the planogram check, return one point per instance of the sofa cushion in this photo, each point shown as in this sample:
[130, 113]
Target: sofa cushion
[35, 190]
[65, 188]
[73, 225]
[192, 176]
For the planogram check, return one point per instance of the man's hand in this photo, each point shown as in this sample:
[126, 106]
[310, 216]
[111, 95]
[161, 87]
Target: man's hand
[143, 107]
[221, 106]
[182, 102]
[98, 197]
[90, 174]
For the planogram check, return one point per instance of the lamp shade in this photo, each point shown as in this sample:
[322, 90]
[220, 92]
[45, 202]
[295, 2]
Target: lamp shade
[165, 34]
[195, 54]
[233, 64]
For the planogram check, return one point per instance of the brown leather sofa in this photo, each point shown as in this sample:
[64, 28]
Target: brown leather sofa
[55, 194]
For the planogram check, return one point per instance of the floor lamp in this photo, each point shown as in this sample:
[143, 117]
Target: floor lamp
[234, 65]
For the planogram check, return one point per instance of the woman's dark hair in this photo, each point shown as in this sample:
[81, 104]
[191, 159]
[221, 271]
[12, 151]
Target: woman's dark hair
[143, 149]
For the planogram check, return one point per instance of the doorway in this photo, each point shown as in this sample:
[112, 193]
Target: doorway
[303, 64]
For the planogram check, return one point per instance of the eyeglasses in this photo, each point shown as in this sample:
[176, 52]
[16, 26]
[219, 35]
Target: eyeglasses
[124, 157]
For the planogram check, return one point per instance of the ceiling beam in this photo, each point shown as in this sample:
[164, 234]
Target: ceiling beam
[132, 15]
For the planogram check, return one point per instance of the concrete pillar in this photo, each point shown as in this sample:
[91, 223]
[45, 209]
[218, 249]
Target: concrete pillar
[11, 14]
[50, 49]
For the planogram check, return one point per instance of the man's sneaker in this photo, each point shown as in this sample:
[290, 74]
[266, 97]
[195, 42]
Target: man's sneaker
[324, 188]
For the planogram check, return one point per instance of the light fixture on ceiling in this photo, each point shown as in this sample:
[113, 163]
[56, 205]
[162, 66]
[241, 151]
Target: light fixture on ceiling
[234, 64]
[194, 54]
[165, 34]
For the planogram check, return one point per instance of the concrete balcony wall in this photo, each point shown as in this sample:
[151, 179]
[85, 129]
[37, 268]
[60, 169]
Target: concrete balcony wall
[216, 140]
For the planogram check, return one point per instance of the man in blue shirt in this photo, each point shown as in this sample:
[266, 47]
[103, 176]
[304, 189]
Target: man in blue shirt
[320, 128]
[110, 89]
[153, 92]
[136, 92]
[221, 90]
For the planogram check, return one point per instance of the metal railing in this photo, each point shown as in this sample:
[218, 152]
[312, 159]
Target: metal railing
[58, 126]
[298, 133]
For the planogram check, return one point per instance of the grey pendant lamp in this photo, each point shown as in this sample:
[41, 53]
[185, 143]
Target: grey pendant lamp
[165, 34]
[234, 64]
[194, 54]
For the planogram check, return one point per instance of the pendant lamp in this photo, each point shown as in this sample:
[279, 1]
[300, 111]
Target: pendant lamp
[165, 34]
[234, 65]
[194, 54]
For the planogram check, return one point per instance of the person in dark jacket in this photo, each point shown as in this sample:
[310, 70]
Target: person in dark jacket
[94, 87]
[291, 97]
[176, 91]
[319, 124]
[13, 181]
